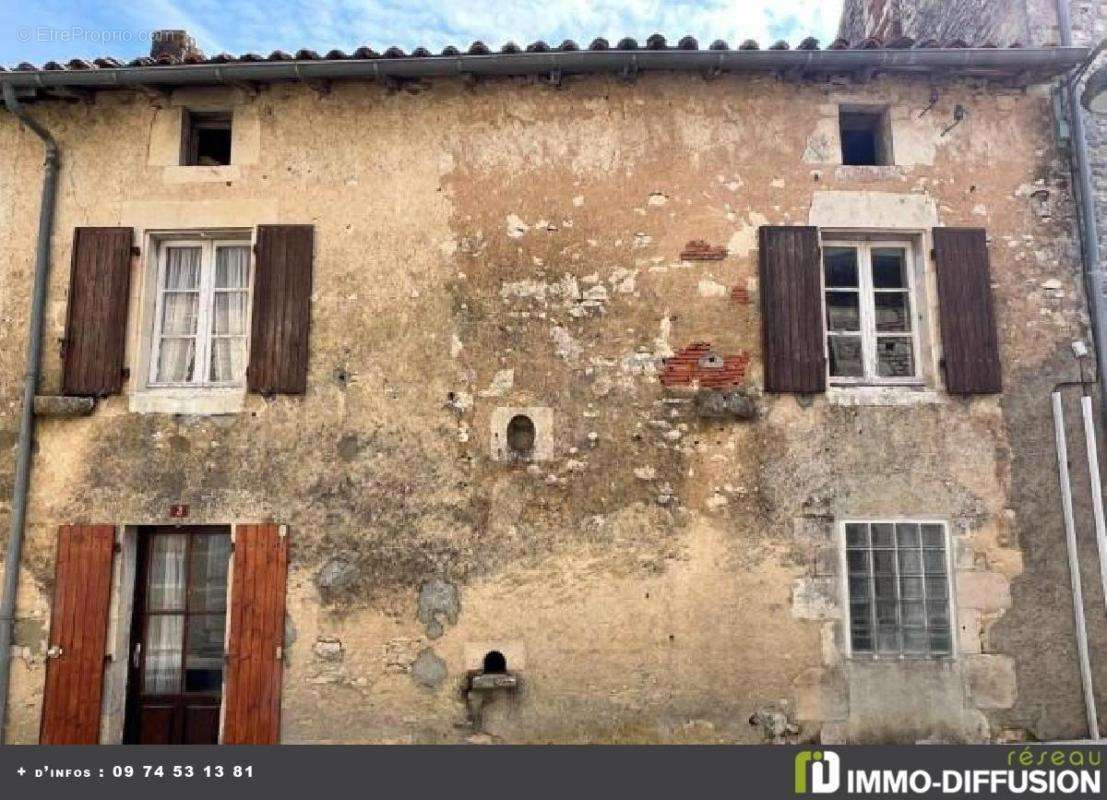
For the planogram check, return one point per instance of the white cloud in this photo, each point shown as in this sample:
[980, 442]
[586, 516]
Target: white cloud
[265, 25]
[347, 24]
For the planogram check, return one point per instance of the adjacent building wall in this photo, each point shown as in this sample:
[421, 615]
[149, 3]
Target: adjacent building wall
[660, 576]
[1042, 591]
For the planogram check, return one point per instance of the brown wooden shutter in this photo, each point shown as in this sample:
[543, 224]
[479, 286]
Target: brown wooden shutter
[255, 645]
[78, 635]
[282, 310]
[969, 342]
[96, 324]
[792, 309]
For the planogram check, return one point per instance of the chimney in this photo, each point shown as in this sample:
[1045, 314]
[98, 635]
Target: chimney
[176, 44]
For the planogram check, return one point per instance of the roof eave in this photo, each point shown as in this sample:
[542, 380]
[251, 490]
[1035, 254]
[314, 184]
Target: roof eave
[987, 62]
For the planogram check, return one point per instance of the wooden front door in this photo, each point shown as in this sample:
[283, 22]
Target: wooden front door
[177, 636]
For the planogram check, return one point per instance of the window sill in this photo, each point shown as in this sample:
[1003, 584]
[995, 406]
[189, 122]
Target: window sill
[869, 172]
[906, 658]
[889, 395]
[200, 174]
[188, 401]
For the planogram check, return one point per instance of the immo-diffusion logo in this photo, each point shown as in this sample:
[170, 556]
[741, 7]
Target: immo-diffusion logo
[825, 768]
[1049, 771]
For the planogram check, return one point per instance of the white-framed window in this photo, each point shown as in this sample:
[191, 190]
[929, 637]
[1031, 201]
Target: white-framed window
[898, 581]
[870, 306]
[201, 313]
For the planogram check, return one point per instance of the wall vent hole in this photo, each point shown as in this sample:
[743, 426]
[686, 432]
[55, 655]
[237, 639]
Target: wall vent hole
[494, 663]
[520, 436]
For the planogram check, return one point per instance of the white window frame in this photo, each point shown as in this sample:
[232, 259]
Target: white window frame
[207, 290]
[867, 310]
[843, 569]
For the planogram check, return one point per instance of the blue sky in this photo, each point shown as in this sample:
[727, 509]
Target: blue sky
[41, 30]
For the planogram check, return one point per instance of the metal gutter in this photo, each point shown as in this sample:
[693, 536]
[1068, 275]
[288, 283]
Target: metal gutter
[30, 385]
[1011, 62]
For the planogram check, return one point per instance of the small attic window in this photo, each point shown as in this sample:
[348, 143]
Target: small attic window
[206, 138]
[520, 436]
[866, 136]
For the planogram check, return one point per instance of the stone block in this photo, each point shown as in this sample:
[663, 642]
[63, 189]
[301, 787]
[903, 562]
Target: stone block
[969, 630]
[984, 591]
[821, 694]
[991, 680]
[815, 598]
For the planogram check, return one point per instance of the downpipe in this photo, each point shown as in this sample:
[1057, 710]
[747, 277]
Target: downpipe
[30, 387]
[1089, 226]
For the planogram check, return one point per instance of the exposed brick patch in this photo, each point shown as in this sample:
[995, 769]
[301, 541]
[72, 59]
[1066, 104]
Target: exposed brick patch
[740, 295]
[699, 364]
[699, 250]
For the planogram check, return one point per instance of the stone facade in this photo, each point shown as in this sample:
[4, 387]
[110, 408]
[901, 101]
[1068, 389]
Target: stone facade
[658, 575]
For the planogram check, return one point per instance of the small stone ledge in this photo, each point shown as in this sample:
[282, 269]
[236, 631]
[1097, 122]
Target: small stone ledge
[54, 406]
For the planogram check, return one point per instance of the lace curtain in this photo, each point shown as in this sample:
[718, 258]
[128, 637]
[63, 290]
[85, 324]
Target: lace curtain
[165, 632]
[228, 319]
[185, 298]
[179, 315]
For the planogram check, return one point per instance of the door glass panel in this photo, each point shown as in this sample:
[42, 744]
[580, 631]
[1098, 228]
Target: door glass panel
[166, 586]
[164, 637]
[204, 659]
[208, 582]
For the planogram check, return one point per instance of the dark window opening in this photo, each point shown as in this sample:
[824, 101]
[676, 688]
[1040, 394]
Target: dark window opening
[206, 139]
[520, 435]
[494, 663]
[866, 139]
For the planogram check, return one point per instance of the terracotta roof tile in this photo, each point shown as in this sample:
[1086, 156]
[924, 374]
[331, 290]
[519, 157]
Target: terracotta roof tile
[654, 42]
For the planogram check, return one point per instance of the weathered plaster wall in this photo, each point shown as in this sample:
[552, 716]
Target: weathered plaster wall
[661, 577]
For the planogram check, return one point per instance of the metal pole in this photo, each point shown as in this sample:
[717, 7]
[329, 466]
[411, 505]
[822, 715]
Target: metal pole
[1097, 491]
[30, 386]
[1074, 567]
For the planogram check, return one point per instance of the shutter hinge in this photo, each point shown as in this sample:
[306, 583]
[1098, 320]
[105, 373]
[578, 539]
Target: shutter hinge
[116, 547]
[61, 347]
[136, 250]
[282, 531]
[126, 373]
[54, 651]
[280, 653]
[933, 254]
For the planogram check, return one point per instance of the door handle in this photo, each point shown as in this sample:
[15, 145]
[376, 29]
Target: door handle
[136, 656]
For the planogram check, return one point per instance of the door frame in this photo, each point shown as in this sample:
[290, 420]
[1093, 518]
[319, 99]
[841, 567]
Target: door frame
[117, 678]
